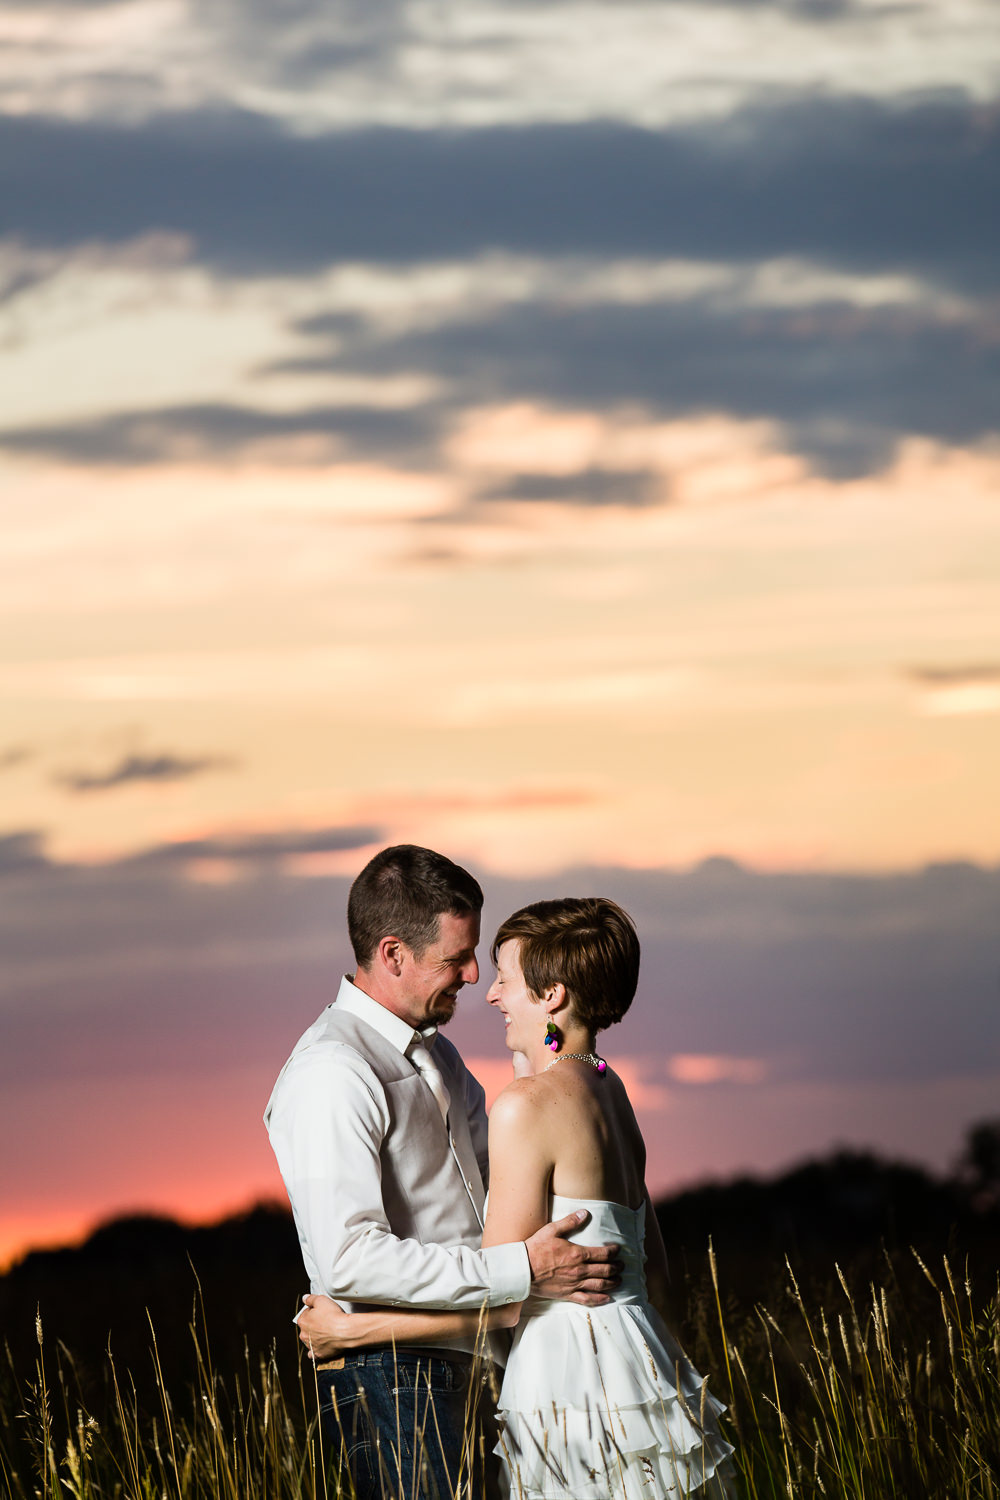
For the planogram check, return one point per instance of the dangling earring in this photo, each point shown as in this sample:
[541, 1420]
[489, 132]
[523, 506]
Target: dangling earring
[553, 1036]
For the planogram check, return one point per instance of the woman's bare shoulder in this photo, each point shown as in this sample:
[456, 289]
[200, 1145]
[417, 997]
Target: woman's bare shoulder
[522, 1100]
[520, 1093]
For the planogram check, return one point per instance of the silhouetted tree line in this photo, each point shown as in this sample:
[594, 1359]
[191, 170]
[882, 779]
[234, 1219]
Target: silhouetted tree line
[241, 1280]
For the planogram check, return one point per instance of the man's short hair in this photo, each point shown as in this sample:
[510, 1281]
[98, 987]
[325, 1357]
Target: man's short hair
[586, 943]
[401, 893]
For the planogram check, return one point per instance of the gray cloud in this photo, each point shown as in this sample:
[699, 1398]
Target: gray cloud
[22, 851]
[298, 43]
[846, 182]
[301, 43]
[14, 756]
[20, 280]
[54, 7]
[844, 382]
[810, 10]
[218, 429]
[587, 487]
[363, 18]
[133, 768]
[128, 975]
[839, 976]
[955, 675]
[822, 11]
[261, 847]
[832, 977]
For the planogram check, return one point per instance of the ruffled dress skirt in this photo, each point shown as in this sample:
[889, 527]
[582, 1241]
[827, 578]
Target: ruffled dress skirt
[600, 1403]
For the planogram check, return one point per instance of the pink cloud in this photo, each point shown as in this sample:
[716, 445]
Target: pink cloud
[715, 1067]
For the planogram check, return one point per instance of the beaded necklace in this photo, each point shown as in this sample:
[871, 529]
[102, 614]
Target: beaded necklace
[588, 1057]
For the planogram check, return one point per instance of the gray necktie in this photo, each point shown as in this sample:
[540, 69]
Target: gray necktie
[420, 1057]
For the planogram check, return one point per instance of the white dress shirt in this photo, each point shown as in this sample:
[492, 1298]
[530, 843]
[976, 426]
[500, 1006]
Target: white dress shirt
[331, 1123]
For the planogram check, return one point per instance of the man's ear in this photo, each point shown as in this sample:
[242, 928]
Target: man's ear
[390, 955]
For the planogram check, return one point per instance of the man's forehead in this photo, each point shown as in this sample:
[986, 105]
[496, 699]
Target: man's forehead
[457, 931]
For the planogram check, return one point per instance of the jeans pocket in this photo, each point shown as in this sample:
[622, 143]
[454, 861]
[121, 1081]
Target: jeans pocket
[349, 1412]
[344, 1409]
[434, 1375]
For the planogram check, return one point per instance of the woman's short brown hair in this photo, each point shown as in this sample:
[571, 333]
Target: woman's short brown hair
[586, 943]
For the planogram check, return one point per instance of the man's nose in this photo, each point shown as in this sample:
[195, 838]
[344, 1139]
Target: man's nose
[470, 972]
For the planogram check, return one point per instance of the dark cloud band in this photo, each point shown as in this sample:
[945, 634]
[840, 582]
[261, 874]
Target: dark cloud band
[141, 768]
[831, 977]
[845, 182]
[218, 429]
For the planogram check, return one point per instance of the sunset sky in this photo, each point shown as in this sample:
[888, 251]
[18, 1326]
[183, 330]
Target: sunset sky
[562, 434]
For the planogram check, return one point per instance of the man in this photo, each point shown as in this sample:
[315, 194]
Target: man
[382, 1147]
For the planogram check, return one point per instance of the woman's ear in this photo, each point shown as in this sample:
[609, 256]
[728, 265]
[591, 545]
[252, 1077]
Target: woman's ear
[554, 998]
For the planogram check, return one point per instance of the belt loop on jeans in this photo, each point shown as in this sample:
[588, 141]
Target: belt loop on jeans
[376, 1354]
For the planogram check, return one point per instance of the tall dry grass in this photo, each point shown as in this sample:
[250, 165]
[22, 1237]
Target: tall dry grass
[883, 1396]
[889, 1393]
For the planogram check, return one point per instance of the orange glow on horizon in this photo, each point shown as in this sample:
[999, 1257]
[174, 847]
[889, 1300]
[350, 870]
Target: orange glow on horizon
[711, 1128]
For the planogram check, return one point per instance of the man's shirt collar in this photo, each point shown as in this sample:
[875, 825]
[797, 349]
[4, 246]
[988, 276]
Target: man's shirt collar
[393, 1028]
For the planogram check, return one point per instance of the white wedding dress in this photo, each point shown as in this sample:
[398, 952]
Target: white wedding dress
[599, 1403]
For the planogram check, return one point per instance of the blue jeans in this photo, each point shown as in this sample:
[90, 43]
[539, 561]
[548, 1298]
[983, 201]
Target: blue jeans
[411, 1423]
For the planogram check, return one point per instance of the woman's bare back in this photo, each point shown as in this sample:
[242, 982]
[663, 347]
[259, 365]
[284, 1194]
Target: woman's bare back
[596, 1146]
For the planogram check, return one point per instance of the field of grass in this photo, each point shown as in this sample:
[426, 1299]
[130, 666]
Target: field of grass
[888, 1389]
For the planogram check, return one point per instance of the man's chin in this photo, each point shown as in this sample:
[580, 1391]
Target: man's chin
[443, 1010]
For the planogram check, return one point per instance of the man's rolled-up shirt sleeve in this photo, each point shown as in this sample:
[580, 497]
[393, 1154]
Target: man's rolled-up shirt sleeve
[327, 1124]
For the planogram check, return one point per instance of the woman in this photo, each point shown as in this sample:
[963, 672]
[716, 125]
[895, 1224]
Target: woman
[596, 1402]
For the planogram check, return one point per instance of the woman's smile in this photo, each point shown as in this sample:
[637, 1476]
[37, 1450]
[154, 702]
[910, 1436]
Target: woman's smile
[522, 1017]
